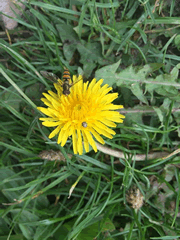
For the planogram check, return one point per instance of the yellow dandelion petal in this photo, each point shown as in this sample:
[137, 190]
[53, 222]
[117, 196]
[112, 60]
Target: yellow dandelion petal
[112, 116]
[109, 107]
[104, 132]
[53, 112]
[90, 140]
[88, 94]
[109, 123]
[85, 140]
[79, 142]
[97, 136]
[56, 104]
[54, 95]
[119, 120]
[120, 106]
[48, 119]
[65, 136]
[92, 83]
[48, 97]
[61, 137]
[102, 126]
[116, 117]
[77, 90]
[50, 124]
[58, 87]
[54, 132]
[96, 87]
[121, 116]
[109, 98]
[46, 111]
[74, 140]
[117, 107]
[85, 85]
[74, 78]
[66, 126]
[46, 102]
[105, 89]
[55, 101]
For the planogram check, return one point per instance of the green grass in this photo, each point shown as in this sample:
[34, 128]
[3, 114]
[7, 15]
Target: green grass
[134, 49]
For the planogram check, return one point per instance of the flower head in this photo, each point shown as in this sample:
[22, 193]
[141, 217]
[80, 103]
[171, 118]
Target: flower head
[85, 114]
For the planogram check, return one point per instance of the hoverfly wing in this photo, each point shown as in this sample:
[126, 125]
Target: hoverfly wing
[50, 76]
[75, 82]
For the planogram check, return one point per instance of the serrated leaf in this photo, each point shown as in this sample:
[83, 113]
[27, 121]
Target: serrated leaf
[67, 33]
[137, 91]
[10, 98]
[127, 96]
[149, 68]
[68, 50]
[177, 41]
[129, 76]
[89, 52]
[167, 91]
[175, 72]
[33, 91]
[108, 73]
[166, 105]
[164, 90]
[159, 113]
[135, 117]
[88, 68]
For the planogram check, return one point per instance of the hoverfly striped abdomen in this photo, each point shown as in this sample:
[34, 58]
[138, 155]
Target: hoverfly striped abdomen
[66, 82]
[66, 75]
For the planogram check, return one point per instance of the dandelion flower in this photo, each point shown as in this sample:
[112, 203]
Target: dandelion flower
[86, 114]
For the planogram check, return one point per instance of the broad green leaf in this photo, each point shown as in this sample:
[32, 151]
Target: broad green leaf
[90, 52]
[149, 68]
[137, 91]
[135, 117]
[159, 113]
[175, 72]
[88, 68]
[68, 50]
[9, 96]
[177, 41]
[108, 73]
[67, 33]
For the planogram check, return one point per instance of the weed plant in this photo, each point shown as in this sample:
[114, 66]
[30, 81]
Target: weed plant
[134, 47]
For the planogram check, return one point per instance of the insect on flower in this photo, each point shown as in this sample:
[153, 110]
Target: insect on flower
[66, 80]
[84, 124]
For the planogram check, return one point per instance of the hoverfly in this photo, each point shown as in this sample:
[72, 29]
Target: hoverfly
[66, 80]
